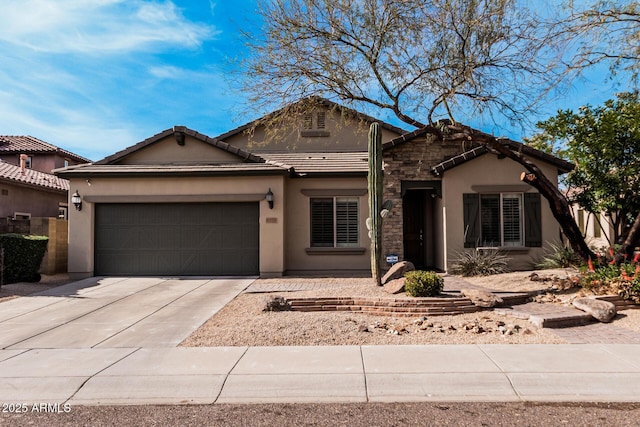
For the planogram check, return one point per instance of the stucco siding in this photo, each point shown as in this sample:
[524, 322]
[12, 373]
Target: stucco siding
[194, 189]
[342, 134]
[167, 151]
[301, 260]
[488, 173]
[38, 203]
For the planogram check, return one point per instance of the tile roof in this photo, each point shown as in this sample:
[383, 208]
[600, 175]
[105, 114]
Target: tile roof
[173, 170]
[33, 178]
[177, 131]
[562, 165]
[29, 144]
[314, 163]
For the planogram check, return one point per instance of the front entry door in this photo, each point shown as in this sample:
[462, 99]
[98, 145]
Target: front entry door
[414, 228]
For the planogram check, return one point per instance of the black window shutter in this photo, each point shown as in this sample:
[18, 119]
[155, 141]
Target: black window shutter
[471, 214]
[532, 220]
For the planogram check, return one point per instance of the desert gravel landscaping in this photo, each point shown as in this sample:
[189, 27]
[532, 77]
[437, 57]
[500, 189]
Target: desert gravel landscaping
[243, 322]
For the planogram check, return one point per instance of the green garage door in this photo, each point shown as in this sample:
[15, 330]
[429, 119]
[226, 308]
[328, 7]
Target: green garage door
[177, 239]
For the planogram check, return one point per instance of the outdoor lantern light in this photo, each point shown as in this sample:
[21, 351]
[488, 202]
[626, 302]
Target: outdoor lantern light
[76, 200]
[269, 197]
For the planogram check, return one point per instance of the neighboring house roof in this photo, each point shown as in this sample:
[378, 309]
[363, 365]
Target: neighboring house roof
[32, 178]
[179, 132]
[28, 144]
[321, 102]
[321, 163]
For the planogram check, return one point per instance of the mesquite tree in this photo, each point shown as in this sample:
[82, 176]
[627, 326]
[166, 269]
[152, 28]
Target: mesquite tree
[420, 61]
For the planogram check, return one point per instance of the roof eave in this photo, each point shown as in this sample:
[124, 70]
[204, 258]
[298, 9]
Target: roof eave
[158, 174]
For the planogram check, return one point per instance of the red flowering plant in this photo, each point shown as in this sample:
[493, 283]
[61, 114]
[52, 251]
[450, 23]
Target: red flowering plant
[604, 275]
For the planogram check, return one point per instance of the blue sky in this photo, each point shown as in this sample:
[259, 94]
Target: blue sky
[95, 76]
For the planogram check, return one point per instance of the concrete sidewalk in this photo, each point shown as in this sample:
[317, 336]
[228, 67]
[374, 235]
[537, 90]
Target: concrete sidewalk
[127, 376]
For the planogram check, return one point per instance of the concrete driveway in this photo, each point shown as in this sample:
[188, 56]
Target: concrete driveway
[115, 312]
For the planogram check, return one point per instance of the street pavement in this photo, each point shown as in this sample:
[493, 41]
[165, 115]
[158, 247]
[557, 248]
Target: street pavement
[114, 341]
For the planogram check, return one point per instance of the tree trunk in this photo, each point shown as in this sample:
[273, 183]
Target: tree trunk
[630, 243]
[535, 177]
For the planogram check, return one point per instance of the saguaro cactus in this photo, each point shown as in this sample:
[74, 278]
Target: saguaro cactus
[374, 222]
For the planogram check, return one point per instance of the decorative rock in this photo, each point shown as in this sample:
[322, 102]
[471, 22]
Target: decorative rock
[397, 271]
[481, 298]
[276, 303]
[603, 311]
[394, 286]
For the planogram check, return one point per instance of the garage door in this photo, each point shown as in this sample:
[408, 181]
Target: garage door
[177, 239]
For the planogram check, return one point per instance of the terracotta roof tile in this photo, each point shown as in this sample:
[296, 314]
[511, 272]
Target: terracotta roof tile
[13, 173]
[29, 144]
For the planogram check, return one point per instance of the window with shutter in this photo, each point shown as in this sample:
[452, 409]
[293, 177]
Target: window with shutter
[505, 219]
[334, 222]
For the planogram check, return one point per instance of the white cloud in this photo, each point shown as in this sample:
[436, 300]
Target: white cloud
[94, 26]
[166, 72]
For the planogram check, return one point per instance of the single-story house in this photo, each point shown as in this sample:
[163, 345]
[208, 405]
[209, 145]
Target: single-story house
[257, 202]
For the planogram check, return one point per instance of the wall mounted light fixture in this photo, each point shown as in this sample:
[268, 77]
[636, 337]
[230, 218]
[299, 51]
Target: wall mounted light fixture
[269, 197]
[76, 200]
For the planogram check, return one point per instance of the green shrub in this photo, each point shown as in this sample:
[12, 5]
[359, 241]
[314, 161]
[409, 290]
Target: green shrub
[480, 263]
[423, 283]
[560, 256]
[22, 257]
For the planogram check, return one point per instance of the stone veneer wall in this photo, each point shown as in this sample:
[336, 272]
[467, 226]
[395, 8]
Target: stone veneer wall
[409, 161]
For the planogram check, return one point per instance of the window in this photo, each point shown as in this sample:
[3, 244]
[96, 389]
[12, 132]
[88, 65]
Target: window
[505, 219]
[28, 160]
[66, 163]
[334, 222]
[320, 120]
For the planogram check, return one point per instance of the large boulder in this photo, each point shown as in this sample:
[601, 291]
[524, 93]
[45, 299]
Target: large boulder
[394, 286]
[397, 271]
[481, 298]
[603, 311]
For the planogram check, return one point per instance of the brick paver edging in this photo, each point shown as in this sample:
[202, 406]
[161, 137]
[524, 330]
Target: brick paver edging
[386, 306]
